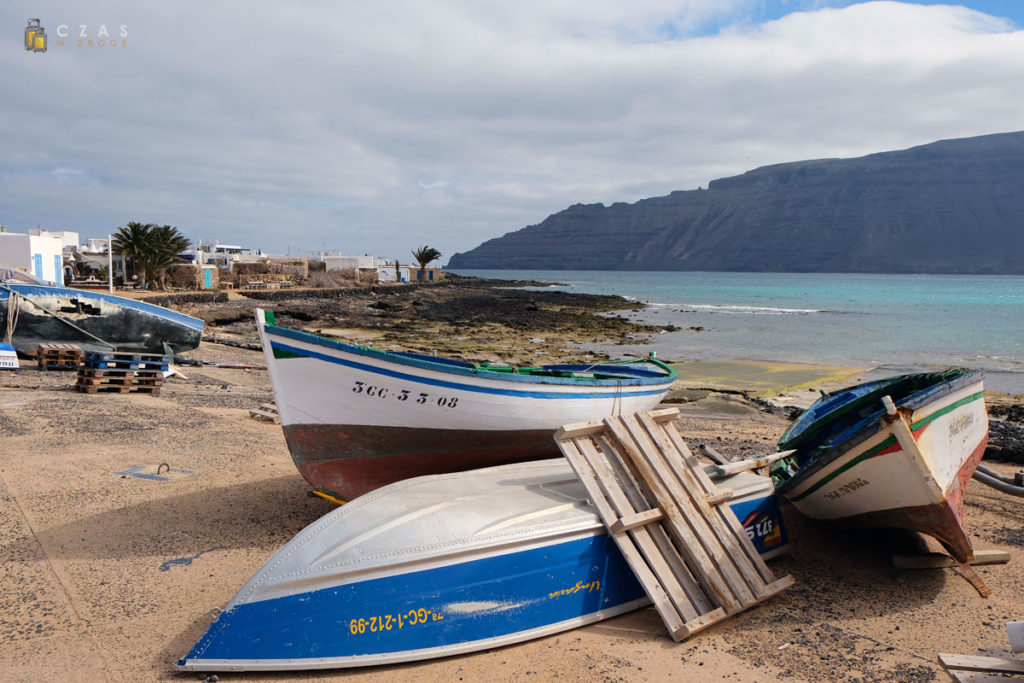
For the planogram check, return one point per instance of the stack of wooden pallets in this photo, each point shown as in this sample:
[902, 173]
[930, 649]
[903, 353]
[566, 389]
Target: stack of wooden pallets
[59, 356]
[122, 372]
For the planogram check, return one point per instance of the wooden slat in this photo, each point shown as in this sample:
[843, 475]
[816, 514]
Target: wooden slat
[694, 538]
[1002, 665]
[662, 558]
[728, 529]
[577, 429]
[639, 519]
[671, 522]
[698, 596]
[940, 560]
[644, 573]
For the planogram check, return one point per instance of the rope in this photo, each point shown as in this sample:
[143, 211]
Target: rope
[13, 309]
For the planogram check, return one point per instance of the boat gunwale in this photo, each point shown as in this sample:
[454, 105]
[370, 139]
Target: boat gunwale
[912, 401]
[124, 302]
[475, 371]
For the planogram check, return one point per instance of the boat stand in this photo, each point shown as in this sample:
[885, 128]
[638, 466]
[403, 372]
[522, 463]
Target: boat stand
[941, 560]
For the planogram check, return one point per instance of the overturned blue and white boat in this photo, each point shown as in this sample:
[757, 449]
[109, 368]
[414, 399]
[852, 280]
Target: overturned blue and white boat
[443, 565]
[40, 313]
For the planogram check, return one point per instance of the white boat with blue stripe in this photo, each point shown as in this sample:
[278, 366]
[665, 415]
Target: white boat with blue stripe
[443, 565]
[357, 418]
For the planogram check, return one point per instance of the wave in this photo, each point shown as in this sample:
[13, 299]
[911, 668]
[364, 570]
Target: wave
[749, 310]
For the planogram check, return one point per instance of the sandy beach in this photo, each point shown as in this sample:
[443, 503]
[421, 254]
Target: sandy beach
[111, 575]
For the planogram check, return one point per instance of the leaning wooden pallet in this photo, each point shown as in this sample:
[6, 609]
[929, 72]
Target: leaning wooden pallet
[670, 521]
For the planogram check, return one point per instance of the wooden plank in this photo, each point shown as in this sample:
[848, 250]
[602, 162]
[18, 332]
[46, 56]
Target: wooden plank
[680, 590]
[727, 527]
[1002, 665]
[665, 414]
[578, 429]
[940, 560]
[639, 519]
[696, 541]
[644, 574]
[698, 596]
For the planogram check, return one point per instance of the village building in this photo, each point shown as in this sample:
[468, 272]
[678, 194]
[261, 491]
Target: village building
[39, 254]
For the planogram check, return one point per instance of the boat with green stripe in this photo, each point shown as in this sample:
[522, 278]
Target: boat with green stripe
[896, 452]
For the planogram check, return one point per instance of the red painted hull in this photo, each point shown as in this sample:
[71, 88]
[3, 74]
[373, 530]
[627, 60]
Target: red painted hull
[351, 460]
[942, 521]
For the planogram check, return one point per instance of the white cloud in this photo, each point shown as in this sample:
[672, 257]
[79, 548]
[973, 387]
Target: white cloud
[369, 125]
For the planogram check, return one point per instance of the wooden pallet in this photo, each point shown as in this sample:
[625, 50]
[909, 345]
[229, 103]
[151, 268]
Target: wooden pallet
[118, 373]
[266, 411]
[117, 389]
[92, 380]
[125, 360]
[118, 381]
[672, 524]
[58, 356]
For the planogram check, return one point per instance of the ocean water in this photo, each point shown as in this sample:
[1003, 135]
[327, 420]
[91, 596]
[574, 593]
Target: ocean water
[903, 322]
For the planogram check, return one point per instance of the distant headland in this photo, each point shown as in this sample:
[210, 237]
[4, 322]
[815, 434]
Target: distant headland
[953, 206]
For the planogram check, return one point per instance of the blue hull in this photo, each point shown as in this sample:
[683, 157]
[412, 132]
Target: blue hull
[436, 612]
[561, 576]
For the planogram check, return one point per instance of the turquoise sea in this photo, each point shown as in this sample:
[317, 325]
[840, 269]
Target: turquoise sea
[897, 321]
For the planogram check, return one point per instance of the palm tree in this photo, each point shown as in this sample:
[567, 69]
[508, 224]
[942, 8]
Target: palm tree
[424, 255]
[130, 242]
[152, 247]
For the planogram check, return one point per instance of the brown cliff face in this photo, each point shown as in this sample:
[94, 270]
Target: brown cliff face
[953, 206]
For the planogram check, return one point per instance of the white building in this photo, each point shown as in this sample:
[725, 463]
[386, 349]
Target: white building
[221, 255]
[67, 238]
[389, 274]
[41, 255]
[348, 262]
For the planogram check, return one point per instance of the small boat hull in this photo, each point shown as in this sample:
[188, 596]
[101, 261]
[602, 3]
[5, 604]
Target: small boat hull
[442, 565]
[356, 418]
[88, 319]
[859, 471]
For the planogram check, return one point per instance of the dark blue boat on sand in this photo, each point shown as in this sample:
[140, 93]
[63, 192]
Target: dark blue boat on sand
[92, 320]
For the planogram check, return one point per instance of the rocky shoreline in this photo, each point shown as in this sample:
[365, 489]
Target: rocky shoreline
[467, 318]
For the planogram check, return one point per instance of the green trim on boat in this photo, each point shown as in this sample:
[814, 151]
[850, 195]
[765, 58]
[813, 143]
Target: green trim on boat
[886, 443]
[952, 406]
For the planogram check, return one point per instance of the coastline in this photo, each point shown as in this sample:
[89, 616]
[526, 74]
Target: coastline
[108, 576]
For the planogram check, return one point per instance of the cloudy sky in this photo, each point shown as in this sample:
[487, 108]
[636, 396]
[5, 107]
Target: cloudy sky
[376, 127]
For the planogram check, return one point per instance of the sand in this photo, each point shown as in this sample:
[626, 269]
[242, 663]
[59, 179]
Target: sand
[106, 576]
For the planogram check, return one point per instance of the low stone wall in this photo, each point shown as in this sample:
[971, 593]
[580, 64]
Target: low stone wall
[187, 298]
[334, 292]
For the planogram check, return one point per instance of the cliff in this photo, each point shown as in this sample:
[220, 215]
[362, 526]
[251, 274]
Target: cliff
[953, 206]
